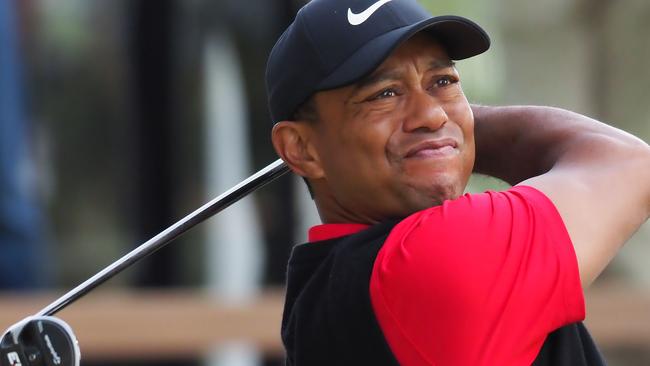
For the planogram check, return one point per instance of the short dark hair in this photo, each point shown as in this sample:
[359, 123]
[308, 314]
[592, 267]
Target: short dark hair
[307, 111]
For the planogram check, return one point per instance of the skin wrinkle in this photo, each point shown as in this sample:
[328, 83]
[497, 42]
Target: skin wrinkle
[393, 153]
[358, 158]
[380, 76]
[355, 157]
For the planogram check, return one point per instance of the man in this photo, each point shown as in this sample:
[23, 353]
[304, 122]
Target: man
[369, 109]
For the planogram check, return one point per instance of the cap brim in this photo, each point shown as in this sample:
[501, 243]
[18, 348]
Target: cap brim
[461, 37]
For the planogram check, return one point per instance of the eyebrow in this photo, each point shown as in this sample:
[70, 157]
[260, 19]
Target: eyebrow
[381, 76]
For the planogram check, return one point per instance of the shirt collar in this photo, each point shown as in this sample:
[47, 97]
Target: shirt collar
[331, 231]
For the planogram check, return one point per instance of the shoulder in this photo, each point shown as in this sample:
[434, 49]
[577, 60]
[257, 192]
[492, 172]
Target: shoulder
[491, 235]
[448, 276]
[481, 216]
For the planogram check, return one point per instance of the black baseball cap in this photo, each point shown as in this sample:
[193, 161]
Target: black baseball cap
[333, 43]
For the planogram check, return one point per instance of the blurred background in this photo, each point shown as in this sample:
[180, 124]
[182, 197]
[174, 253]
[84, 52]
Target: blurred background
[117, 118]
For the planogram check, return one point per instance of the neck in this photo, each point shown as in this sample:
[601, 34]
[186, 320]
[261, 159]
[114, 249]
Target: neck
[332, 212]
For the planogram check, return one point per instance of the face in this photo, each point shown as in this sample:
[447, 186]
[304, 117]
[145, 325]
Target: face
[396, 142]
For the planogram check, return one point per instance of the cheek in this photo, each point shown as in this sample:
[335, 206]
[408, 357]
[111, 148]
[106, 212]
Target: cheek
[469, 155]
[467, 127]
[460, 109]
[367, 141]
[354, 153]
[468, 160]
[461, 113]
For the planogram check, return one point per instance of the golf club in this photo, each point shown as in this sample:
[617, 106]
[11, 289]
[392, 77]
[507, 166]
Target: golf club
[45, 340]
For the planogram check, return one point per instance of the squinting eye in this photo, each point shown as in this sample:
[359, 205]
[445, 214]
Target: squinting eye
[386, 94]
[445, 81]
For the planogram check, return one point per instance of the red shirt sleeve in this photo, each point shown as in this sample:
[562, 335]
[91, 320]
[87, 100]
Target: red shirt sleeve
[480, 280]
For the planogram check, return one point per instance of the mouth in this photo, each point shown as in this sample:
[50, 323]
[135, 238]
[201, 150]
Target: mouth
[433, 149]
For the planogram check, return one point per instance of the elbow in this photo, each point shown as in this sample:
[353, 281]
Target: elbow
[635, 155]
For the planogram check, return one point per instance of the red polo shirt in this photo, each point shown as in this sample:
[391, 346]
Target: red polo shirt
[480, 280]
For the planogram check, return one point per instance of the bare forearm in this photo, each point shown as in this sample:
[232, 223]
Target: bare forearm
[517, 143]
[597, 176]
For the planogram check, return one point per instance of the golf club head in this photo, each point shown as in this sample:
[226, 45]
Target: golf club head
[39, 341]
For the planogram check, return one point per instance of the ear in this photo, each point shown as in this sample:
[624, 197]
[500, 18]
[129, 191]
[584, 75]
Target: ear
[292, 141]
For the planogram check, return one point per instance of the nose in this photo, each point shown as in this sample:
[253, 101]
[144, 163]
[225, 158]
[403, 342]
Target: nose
[424, 113]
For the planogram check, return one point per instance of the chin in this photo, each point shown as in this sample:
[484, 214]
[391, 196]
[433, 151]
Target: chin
[442, 183]
[433, 190]
[430, 197]
[445, 193]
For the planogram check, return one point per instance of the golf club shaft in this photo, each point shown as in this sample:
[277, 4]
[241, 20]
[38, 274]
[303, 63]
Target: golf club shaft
[234, 194]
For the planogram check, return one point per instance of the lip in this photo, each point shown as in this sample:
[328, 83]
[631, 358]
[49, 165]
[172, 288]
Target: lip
[433, 148]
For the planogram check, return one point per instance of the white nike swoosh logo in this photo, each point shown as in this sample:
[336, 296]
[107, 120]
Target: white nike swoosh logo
[356, 19]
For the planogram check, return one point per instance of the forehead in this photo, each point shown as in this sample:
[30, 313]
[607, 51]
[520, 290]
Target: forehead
[422, 50]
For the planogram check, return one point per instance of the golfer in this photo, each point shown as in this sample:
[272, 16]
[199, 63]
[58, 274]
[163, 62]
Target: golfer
[405, 269]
